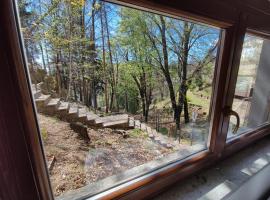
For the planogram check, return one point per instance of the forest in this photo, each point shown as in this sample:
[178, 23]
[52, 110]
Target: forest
[116, 59]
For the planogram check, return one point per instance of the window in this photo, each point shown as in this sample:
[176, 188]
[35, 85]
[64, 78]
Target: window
[119, 92]
[252, 94]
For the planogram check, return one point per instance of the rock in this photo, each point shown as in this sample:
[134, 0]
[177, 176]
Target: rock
[123, 133]
[169, 146]
[78, 127]
[125, 136]
[51, 163]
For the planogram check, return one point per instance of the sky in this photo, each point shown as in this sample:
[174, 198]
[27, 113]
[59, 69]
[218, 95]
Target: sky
[114, 20]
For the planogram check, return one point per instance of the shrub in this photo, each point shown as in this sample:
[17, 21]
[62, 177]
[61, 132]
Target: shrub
[163, 130]
[44, 133]
[137, 133]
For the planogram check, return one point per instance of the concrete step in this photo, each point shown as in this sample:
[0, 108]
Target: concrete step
[41, 104]
[149, 129]
[37, 94]
[73, 110]
[111, 118]
[91, 117]
[131, 121]
[137, 124]
[63, 106]
[42, 100]
[114, 124]
[43, 97]
[82, 115]
[82, 112]
[72, 114]
[53, 102]
[143, 126]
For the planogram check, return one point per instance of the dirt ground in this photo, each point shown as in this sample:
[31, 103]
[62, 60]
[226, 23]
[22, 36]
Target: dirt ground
[78, 163]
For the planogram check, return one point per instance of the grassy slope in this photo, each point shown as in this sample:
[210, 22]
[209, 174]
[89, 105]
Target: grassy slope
[193, 99]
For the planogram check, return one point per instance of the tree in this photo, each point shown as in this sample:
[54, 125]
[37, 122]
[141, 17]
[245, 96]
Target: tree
[138, 59]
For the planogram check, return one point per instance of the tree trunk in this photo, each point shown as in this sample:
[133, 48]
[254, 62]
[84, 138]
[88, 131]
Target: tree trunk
[74, 91]
[183, 88]
[126, 101]
[92, 84]
[165, 68]
[113, 85]
[104, 65]
[42, 56]
[69, 53]
[48, 61]
[58, 74]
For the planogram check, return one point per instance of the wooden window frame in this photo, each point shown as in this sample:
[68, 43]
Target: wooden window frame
[25, 135]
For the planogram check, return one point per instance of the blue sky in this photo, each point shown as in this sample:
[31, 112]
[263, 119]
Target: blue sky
[114, 20]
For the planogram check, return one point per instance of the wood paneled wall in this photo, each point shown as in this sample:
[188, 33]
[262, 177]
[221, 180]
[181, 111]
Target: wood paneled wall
[23, 173]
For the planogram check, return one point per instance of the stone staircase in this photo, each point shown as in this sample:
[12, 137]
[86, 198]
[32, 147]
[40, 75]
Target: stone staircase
[73, 112]
[153, 134]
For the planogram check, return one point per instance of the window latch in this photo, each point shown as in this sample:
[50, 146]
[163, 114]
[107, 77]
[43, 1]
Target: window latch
[228, 112]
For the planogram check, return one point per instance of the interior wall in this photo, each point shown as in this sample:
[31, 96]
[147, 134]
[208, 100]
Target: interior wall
[20, 150]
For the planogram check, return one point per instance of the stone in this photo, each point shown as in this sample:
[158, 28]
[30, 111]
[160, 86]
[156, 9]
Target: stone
[81, 129]
[123, 133]
[169, 146]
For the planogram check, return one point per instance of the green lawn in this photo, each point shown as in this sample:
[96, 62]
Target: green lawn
[193, 99]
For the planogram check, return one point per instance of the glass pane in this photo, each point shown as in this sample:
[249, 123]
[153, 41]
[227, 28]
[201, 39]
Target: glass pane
[252, 92]
[119, 92]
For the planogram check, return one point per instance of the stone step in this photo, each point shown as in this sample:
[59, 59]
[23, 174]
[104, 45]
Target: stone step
[63, 106]
[37, 94]
[35, 87]
[41, 103]
[115, 123]
[72, 113]
[148, 129]
[82, 115]
[91, 116]
[137, 124]
[43, 98]
[143, 127]
[131, 121]
[111, 118]
[81, 112]
[73, 110]
[53, 102]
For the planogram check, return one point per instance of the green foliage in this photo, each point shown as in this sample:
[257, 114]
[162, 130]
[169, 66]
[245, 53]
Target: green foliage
[138, 133]
[163, 130]
[37, 75]
[49, 84]
[44, 133]
[127, 59]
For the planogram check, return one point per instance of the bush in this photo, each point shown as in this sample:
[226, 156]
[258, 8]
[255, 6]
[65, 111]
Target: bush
[44, 133]
[138, 133]
[163, 130]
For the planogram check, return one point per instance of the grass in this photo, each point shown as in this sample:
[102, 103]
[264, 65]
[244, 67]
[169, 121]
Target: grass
[192, 97]
[196, 100]
[138, 133]
[164, 103]
[44, 133]
[185, 141]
